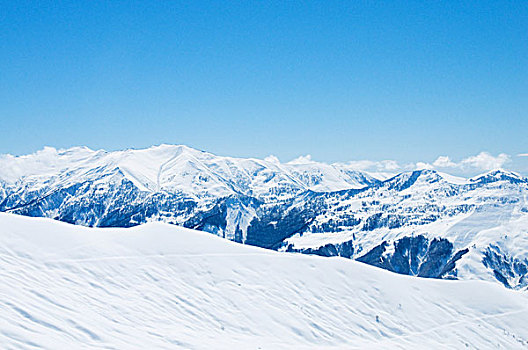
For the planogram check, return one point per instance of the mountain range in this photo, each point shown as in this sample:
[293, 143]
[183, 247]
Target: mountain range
[421, 223]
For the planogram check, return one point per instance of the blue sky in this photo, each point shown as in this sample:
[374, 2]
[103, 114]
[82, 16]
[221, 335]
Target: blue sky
[339, 80]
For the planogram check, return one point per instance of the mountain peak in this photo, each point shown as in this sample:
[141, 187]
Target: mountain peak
[498, 175]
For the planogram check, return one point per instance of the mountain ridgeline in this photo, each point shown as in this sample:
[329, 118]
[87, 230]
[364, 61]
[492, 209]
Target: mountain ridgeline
[421, 223]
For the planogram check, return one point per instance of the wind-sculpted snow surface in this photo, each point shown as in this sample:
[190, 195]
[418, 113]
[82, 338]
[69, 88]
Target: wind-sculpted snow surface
[165, 287]
[422, 223]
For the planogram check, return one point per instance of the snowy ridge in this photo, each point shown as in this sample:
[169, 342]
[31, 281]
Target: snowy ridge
[165, 287]
[178, 168]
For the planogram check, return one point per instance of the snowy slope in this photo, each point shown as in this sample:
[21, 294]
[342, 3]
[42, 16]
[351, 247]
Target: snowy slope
[161, 286]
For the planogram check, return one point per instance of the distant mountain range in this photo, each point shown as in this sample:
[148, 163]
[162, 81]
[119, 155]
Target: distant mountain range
[422, 223]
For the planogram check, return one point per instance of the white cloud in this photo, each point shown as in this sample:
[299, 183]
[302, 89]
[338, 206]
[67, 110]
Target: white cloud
[485, 161]
[472, 165]
[444, 162]
[361, 164]
[522, 155]
[422, 165]
[481, 162]
[388, 165]
[307, 159]
[370, 165]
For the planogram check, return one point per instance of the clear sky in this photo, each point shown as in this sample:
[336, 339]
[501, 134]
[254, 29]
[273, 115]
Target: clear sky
[340, 80]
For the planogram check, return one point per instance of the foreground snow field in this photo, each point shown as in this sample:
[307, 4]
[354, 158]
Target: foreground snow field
[161, 286]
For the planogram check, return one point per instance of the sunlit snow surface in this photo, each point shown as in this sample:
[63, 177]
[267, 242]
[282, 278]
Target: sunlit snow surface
[161, 286]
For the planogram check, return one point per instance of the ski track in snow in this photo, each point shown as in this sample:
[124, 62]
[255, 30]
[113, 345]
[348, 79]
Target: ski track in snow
[449, 325]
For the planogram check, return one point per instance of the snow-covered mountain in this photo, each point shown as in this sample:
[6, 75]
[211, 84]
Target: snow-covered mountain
[421, 223]
[158, 286]
[182, 170]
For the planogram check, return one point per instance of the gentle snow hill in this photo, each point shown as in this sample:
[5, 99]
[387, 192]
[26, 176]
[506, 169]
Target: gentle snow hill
[162, 286]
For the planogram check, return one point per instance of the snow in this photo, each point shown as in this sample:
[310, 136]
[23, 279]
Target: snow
[498, 217]
[161, 286]
[487, 212]
[181, 169]
[457, 180]
[46, 162]
[497, 174]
